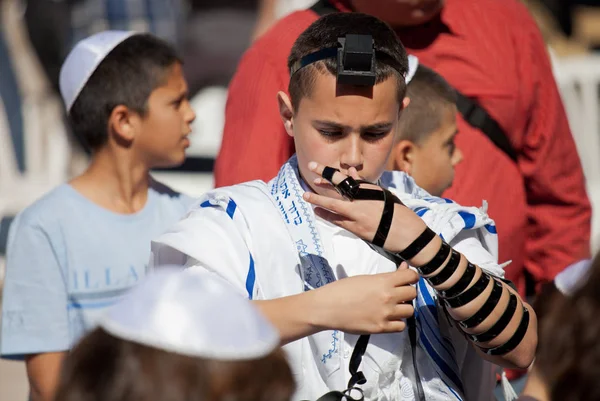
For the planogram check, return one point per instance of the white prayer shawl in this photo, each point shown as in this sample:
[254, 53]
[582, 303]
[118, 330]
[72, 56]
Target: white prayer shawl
[263, 239]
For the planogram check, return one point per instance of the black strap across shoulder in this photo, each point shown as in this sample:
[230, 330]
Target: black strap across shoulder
[323, 7]
[478, 117]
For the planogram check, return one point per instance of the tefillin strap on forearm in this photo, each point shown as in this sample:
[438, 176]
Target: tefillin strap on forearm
[355, 56]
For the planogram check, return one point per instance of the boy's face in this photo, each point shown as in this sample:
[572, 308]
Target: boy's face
[343, 127]
[433, 160]
[164, 130]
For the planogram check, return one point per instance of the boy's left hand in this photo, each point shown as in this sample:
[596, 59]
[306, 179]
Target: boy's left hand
[361, 217]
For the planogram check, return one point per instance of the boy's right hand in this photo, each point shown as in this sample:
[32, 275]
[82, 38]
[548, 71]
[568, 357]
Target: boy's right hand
[368, 304]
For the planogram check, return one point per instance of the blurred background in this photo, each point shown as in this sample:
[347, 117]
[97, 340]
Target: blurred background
[37, 152]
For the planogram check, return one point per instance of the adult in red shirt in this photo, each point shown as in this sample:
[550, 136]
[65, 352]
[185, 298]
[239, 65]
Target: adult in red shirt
[490, 50]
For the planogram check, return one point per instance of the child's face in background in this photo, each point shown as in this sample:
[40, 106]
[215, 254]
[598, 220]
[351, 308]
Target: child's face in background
[165, 127]
[431, 162]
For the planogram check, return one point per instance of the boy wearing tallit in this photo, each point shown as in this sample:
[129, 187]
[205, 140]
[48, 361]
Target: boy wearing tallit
[320, 248]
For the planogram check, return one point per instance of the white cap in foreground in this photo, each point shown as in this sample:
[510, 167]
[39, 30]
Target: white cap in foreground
[194, 313]
[83, 60]
[573, 277]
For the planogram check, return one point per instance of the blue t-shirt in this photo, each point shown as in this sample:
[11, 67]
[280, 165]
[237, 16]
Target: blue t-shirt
[69, 259]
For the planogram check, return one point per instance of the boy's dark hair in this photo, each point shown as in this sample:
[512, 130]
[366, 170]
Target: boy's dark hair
[430, 95]
[106, 368]
[127, 76]
[324, 33]
[568, 353]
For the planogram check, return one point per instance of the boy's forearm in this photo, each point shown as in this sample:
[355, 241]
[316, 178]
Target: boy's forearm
[492, 315]
[295, 316]
[522, 355]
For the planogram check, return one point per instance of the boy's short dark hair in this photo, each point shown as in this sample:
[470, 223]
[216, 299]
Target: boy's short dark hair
[106, 368]
[568, 354]
[324, 33]
[430, 95]
[127, 76]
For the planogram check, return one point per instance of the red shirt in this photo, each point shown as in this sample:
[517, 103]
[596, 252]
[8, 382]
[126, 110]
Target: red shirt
[490, 50]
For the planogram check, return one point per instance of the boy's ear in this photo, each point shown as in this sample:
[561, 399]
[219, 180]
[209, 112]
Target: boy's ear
[405, 103]
[286, 112]
[122, 123]
[404, 155]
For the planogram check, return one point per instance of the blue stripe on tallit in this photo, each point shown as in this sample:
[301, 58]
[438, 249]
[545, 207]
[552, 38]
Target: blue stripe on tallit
[444, 357]
[420, 211]
[250, 278]
[231, 206]
[469, 219]
[451, 374]
[491, 228]
[446, 344]
[429, 301]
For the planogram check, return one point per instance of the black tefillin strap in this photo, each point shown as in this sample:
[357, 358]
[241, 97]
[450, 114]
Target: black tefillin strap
[515, 340]
[356, 377]
[350, 189]
[485, 310]
[454, 297]
[461, 284]
[439, 258]
[448, 270]
[472, 293]
[500, 325]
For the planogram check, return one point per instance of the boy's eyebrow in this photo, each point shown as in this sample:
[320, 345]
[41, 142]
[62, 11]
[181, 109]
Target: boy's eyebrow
[453, 135]
[383, 126]
[372, 127]
[183, 95]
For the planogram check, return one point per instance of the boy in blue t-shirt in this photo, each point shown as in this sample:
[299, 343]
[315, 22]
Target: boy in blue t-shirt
[79, 248]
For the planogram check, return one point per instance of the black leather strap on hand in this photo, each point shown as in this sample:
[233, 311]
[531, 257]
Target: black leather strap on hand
[385, 223]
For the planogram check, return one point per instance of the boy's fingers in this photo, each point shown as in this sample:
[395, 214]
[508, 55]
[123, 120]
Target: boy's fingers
[335, 177]
[336, 205]
[405, 277]
[394, 326]
[331, 217]
[402, 311]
